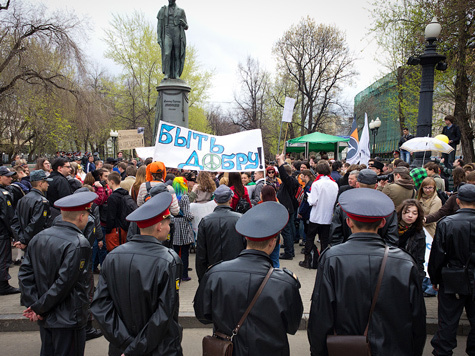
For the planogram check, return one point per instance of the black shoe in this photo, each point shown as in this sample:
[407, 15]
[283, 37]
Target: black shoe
[427, 295]
[286, 257]
[190, 269]
[304, 264]
[302, 251]
[302, 244]
[96, 271]
[93, 333]
[8, 289]
[17, 262]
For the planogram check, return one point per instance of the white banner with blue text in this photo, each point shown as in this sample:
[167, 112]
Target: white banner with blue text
[182, 148]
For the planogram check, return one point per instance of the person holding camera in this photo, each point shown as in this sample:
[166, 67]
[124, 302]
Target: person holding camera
[402, 188]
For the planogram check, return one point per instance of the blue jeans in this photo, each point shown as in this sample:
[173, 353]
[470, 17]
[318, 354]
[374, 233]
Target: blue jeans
[288, 234]
[98, 255]
[405, 156]
[274, 256]
[302, 231]
[427, 287]
[184, 252]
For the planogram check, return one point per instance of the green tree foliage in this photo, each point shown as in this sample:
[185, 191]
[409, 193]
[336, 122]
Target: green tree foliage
[132, 44]
[399, 29]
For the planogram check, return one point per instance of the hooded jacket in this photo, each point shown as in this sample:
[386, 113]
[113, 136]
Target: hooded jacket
[400, 190]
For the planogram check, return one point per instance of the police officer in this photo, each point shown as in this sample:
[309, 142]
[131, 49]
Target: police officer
[346, 281]
[136, 300]
[451, 269]
[91, 232]
[53, 279]
[227, 288]
[33, 210]
[6, 216]
[339, 230]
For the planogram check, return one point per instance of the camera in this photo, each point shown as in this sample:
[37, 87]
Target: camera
[386, 177]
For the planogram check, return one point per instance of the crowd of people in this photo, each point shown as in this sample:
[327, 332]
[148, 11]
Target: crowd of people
[130, 220]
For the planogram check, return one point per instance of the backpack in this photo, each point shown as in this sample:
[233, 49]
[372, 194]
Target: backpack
[314, 255]
[147, 196]
[128, 206]
[443, 196]
[242, 206]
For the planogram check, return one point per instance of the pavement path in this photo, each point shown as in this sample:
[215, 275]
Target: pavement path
[11, 311]
[28, 344]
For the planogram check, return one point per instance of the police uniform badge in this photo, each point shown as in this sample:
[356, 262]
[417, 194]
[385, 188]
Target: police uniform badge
[177, 284]
[81, 264]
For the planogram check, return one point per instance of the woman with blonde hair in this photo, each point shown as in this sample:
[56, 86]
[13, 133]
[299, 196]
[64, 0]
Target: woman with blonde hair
[140, 177]
[204, 188]
[429, 200]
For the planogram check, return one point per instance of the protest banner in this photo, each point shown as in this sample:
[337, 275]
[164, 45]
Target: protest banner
[129, 139]
[182, 148]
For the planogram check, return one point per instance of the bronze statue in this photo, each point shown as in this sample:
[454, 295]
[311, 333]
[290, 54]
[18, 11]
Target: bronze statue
[171, 28]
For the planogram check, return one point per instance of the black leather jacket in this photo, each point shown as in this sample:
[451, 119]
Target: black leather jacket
[226, 291]
[339, 230]
[32, 216]
[218, 239]
[58, 188]
[136, 300]
[7, 214]
[53, 279]
[93, 230]
[341, 300]
[453, 244]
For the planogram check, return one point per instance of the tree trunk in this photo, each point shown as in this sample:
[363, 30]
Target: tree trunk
[462, 84]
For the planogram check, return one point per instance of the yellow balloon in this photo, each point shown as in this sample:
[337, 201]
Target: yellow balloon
[442, 138]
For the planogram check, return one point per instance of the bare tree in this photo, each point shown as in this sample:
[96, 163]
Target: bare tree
[317, 60]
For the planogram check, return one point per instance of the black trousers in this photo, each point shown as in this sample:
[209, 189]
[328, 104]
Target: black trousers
[323, 231]
[5, 258]
[449, 310]
[62, 342]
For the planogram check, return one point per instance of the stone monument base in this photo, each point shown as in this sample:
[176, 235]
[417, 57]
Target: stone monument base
[172, 103]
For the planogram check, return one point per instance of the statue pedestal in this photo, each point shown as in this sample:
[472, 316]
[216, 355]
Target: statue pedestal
[172, 103]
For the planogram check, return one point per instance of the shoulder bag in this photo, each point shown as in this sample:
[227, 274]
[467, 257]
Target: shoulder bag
[220, 344]
[356, 345]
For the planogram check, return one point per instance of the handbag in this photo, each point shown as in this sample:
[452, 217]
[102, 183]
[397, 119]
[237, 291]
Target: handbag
[357, 345]
[220, 344]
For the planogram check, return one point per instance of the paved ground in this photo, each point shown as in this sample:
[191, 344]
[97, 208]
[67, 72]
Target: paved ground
[12, 320]
[28, 344]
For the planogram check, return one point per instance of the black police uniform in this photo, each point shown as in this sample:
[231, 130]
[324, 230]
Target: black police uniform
[136, 300]
[33, 215]
[339, 230]
[218, 239]
[6, 216]
[227, 289]
[453, 246]
[346, 280]
[344, 288]
[53, 282]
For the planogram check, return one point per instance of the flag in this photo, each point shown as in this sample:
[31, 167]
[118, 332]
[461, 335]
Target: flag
[363, 146]
[352, 155]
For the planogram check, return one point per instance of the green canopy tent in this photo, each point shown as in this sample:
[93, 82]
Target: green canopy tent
[317, 142]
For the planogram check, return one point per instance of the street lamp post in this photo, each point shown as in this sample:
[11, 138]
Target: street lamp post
[374, 126]
[429, 61]
[114, 135]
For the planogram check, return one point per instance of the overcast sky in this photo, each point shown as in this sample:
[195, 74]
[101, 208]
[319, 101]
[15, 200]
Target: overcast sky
[226, 32]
